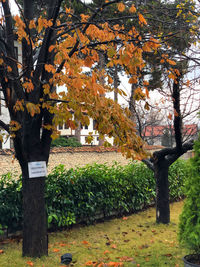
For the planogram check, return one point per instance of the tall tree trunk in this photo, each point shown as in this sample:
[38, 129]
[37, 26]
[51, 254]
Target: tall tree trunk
[161, 169]
[35, 239]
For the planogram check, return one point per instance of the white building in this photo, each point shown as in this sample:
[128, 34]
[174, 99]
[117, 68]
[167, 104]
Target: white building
[85, 131]
[4, 114]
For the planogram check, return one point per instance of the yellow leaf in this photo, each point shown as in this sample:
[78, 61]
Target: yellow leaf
[32, 109]
[1, 61]
[46, 88]
[121, 7]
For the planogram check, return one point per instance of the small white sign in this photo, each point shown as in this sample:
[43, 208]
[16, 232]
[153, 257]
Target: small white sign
[37, 169]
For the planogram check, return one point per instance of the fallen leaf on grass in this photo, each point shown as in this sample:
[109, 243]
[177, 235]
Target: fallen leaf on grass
[125, 258]
[114, 264]
[168, 255]
[63, 245]
[91, 263]
[124, 233]
[106, 252]
[1, 251]
[86, 242]
[56, 250]
[114, 246]
[125, 218]
[143, 246]
[30, 263]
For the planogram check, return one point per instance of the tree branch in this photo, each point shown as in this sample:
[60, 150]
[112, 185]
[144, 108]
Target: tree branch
[186, 147]
[149, 164]
[4, 126]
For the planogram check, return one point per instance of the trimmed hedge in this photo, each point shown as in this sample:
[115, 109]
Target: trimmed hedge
[88, 193]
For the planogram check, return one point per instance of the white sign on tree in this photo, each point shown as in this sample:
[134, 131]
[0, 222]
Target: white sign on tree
[37, 169]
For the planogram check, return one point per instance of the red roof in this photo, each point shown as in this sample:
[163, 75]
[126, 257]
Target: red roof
[158, 130]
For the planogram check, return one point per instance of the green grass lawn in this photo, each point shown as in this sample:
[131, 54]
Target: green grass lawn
[135, 240]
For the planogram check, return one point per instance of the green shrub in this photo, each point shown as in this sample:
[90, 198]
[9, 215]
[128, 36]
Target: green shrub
[88, 193]
[66, 142]
[10, 202]
[189, 226]
[178, 172]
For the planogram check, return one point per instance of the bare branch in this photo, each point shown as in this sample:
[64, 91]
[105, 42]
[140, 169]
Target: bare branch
[149, 164]
[4, 126]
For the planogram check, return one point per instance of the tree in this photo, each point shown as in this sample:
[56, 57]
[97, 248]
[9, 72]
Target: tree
[55, 49]
[168, 62]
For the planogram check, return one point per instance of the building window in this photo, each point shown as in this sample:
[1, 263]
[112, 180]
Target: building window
[16, 52]
[11, 143]
[86, 127]
[97, 138]
[94, 125]
[66, 126]
[60, 127]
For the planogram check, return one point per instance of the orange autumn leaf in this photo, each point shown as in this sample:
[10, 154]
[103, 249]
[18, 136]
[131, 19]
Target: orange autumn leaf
[56, 250]
[169, 116]
[90, 263]
[32, 24]
[171, 62]
[147, 47]
[133, 80]
[125, 218]
[1, 251]
[85, 242]
[142, 19]
[62, 245]
[30, 263]
[132, 9]
[106, 252]
[114, 264]
[121, 7]
[9, 69]
[172, 76]
[126, 259]
[67, 10]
